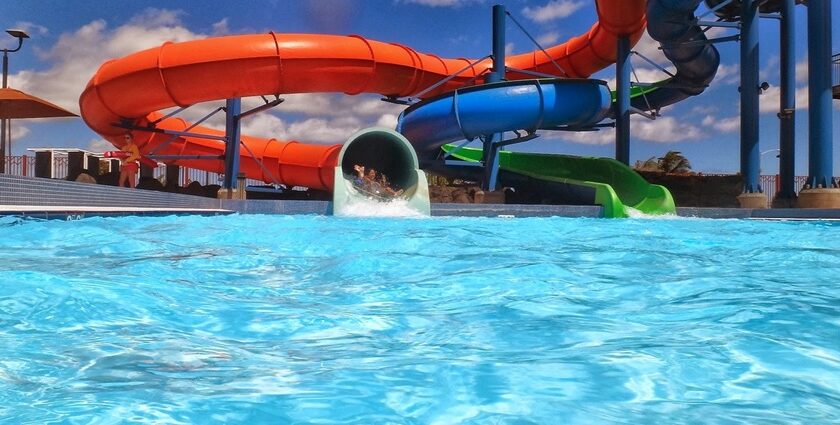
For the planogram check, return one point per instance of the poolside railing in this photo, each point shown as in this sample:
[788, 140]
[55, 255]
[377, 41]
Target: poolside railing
[24, 165]
[772, 184]
[835, 74]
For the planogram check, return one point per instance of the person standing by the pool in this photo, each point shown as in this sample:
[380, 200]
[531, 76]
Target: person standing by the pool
[129, 163]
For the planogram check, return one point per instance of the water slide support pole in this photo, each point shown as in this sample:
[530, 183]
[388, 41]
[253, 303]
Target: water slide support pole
[233, 107]
[750, 155]
[622, 101]
[787, 112]
[820, 150]
[491, 149]
[3, 151]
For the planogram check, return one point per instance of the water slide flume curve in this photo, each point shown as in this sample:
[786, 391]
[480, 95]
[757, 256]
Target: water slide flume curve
[134, 88]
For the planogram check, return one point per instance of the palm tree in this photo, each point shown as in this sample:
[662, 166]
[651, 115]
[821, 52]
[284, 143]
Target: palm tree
[674, 162]
[651, 164]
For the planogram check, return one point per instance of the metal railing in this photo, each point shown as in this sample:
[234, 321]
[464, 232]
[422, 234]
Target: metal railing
[835, 70]
[771, 185]
[24, 165]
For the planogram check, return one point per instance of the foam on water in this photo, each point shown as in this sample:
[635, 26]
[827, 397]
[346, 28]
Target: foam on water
[362, 206]
[634, 213]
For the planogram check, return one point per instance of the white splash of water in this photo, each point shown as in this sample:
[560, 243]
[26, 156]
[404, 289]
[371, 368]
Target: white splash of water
[634, 213]
[362, 206]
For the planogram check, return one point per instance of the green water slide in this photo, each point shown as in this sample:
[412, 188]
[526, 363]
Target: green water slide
[617, 186]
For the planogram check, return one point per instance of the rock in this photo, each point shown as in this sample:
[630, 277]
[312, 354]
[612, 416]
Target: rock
[85, 178]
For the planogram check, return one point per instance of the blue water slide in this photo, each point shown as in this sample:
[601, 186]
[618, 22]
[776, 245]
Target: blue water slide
[672, 24]
[487, 109]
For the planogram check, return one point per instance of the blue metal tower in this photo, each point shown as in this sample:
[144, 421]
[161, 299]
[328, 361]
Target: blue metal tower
[820, 150]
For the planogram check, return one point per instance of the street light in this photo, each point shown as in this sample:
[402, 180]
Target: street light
[4, 127]
[20, 35]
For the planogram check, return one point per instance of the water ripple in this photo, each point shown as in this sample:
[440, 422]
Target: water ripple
[274, 319]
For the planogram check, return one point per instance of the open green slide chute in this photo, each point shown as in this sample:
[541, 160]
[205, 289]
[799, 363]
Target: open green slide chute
[617, 186]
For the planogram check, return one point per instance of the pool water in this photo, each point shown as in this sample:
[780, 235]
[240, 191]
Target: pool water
[309, 319]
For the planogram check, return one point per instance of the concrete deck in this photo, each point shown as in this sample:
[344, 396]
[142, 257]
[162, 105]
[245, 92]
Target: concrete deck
[75, 212]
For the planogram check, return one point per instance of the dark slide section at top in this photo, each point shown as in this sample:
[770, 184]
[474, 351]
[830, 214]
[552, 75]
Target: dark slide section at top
[671, 23]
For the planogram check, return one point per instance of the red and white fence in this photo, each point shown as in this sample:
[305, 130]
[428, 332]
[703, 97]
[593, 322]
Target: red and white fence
[24, 165]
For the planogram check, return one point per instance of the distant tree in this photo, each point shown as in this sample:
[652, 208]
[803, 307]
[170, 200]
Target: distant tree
[651, 164]
[674, 162]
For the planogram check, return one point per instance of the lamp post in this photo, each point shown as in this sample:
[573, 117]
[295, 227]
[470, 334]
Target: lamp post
[4, 125]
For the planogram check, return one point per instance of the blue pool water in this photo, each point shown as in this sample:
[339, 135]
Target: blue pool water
[277, 319]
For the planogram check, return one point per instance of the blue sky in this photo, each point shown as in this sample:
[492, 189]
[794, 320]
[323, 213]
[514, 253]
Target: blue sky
[71, 38]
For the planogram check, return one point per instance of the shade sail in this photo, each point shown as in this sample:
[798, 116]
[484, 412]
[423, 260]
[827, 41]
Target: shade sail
[16, 104]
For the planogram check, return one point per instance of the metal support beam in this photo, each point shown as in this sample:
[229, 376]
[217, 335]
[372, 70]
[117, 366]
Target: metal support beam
[130, 126]
[491, 161]
[708, 41]
[193, 125]
[820, 150]
[419, 95]
[192, 157]
[650, 116]
[3, 151]
[232, 136]
[715, 9]
[490, 148]
[531, 73]
[539, 46]
[787, 106]
[622, 102]
[498, 71]
[769, 16]
[750, 155]
[718, 24]
[268, 105]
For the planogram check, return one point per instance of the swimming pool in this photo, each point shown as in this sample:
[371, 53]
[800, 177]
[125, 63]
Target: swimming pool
[310, 319]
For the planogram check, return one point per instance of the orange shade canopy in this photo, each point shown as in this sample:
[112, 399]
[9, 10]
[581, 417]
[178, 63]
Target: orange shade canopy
[16, 104]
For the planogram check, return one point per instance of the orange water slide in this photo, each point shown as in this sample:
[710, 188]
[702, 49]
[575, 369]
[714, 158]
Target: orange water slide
[133, 88]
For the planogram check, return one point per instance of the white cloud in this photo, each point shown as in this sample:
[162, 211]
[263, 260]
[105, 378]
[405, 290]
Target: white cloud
[221, 27]
[99, 145]
[770, 100]
[549, 38]
[770, 70]
[19, 131]
[725, 125]
[442, 3]
[664, 130]
[554, 9]
[661, 130]
[703, 110]
[77, 55]
[321, 130]
[728, 74]
[802, 71]
[387, 121]
[31, 28]
[601, 137]
[649, 48]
